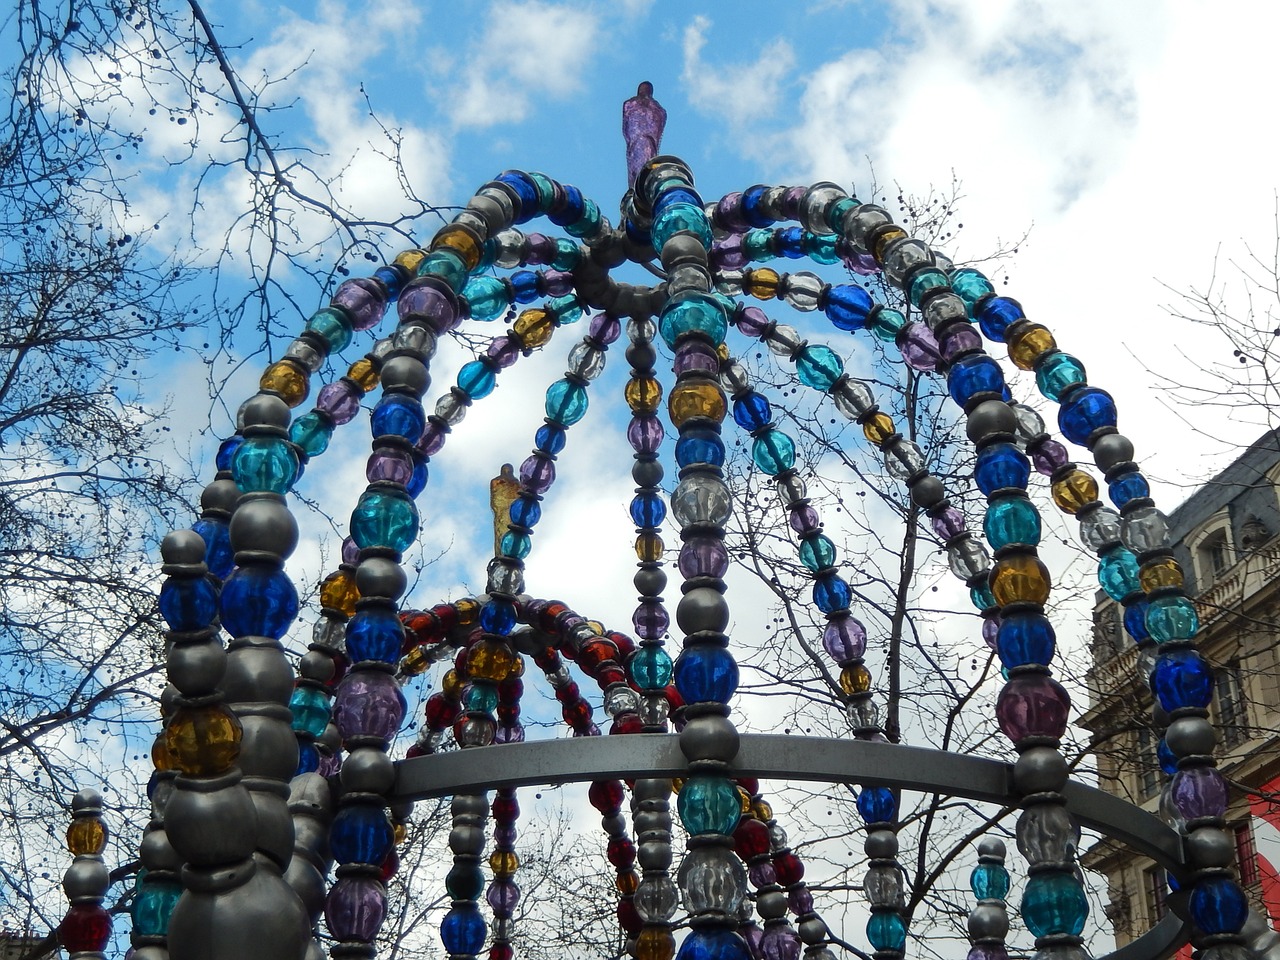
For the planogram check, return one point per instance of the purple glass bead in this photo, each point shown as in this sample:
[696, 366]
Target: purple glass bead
[800, 900]
[780, 943]
[791, 200]
[330, 764]
[919, 348]
[537, 474]
[844, 639]
[959, 340]
[753, 934]
[605, 328]
[503, 895]
[703, 557]
[988, 951]
[340, 400]
[645, 434]
[728, 254]
[355, 909]
[697, 355]
[387, 463]
[762, 874]
[1032, 705]
[948, 523]
[350, 552]
[990, 630]
[369, 703]
[504, 351]
[650, 620]
[863, 264]
[1048, 457]
[432, 440]
[363, 299]
[559, 282]
[1200, 792]
[540, 249]
[753, 322]
[509, 734]
[504, 836]
[729, 213]
[804, 519]
[423, 298]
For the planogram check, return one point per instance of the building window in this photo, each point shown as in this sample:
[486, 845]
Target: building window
[1246, 854]
[1233, 713]
[1148, 763]
[1216, 553]
[1157, 892]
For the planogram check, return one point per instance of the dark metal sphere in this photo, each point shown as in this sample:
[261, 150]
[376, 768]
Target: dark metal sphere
[404, 374]
[265, 410]
[988, 921]
[881, 844]
[989, 418]
[709, 737]
[264, 523]
[1039, 769]
[1111, 450]
[381, 577]
[650, 581]
[646, 473]
[182, 546]
[683, 248]
[702, 608]
[1210, 847]
[927, 491]
[220, 495]
[992, 847]
[196, 668]
[1190, 737]
[367, 770]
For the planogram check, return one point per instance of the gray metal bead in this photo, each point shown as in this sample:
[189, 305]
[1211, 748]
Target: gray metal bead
[308, 883]
[274, 826]
[651, 788]
[87, 878]
[614, 825]
[148, 951]
[210, 828]
[315, 665]
[157, 853]
[771, 904]
[268, 747]
[683, 248]
[260, 918]
[988, 921]
[466, 839]
[331, 739]
[1111, 450]
[220, 495]
[813, 931]
[646, 473]
[196, 668]
[405, 374]
[490, 211]
[311, 838]
[650, 581]
[989, 418]
[992, 848]
[881, 844]
[702, 608]
[689, 278]
[264, 523]
[1039, 769]
[258, 674]
[709, 737]
[367, 770]
[650, 821]
[1210, 847]
[381, 577]
[87, 799]
[470, 805]
[263, 410]
[655, 855]
[642, 355]
[1146, 663]
[927, 491]
[1191, 737]
[182, 546]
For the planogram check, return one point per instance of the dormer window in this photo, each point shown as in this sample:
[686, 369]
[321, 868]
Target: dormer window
[1215, 553]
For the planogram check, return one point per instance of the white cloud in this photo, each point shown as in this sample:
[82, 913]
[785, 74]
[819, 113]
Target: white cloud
[739, 92]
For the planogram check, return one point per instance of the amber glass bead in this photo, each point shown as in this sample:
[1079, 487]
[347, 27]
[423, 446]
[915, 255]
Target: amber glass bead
[597, 627]
[885, 239]
[676, 784]
[762, 283]
[203, 741]
[534, 328]
[410, 259]
[855, 678]
[761, 810]
[160, 758]
[1020, 577]
[415, 662]
[461, 241]
[655, 943]
[627, 883]
[643, 395]
[86, 835]
[744, 801]
[1165, 572]
[364, 374]
[649, 547]
[468, 611]
[490, 660]
[696, 398]
[338, 592]
[722, 351]
[451, 685]
[287, 380]
[517, 668]
[1074, 491]
[504, 863]
[400, 832]
[1029, 343]
[878, 428]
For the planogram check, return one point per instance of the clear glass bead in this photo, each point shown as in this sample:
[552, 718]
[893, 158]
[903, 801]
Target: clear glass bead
[451, 409]
[329, 633]
[306, 355]
[559, 676]
[1047, 834]
[853, 398]
[783, 340]
[1145, 529]
[416, 339]
[701, 499]
[777, 836]
[883, 887]
[619, 699]
[1100, 527]
[656, 899]
[803, 291]
[641, 331]
[381, 349]
[654, 710]
[734, 378]
[863, 712]
[816, 205]
[861, 221]
[904, 256]
[1029, 423]
[944, 308]
[688, 278]
[771, 202]
[967, 559]
[943, 262]
[729, 282]
[510, 248]
[903, 459]
[505, 578]
[473, 220]
[712, 879]
[586, 361]
[791, 489]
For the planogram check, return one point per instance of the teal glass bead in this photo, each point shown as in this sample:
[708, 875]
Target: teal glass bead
[265, 463]
[970, 285]
[153, 906]
[982, 598]
[310, 709]
[588, 225]
[545, 188]
[819, 367]
[838, 211]
[756, 244]
[446, 265]
[925, 280]
[568, 254]
[515, 544]
[566, 402]
[773, 452]
[1054, 903]
[709, 805]
[483, 697]
[312, 432]
[1172, 618]
[821, 248]
[817, 552]
[1118, 572]
[1058, 372]
[384, 518]
[565, 309]
[989, 881]
[886, 931]
[488, 297]
[886, 323]
[1011, 520]
[334, 325]
[650, 668]
[693, 313]
[477, 379]
[678, 218]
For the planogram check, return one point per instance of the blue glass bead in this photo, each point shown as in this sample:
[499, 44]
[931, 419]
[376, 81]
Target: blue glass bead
[515, 545]
[498, 616]
[566, 402]
[446, 265]
[311, 432]
[482, 696]
[848, 306]
[700, 446]
[308, 758]
[1118, 572]
[1127, 487]
[713, 943]
[886, 323]
[877, 805]
[488, 255]
[526, 512]
[527, 192]
[218, 555]
[1001, 466]
[1181, 678]
[970, 286]
[568, 254]
[258, 601]
[334, 325]
[1218, 905]
[550, 438]
[821, 248]
[476, 379]
[153, 906]
[680, 218]
[1084, 411]
[637, 234]
[570, 208]
[931, 278]
[463, 930]
[650, 668]
[392, 279]
[546, 187]
[1054, 902]
[1011, 520]
[831, 594]
[817, 552]
[265, 463]
[1058, 372]
[693, 313]
[1171, 618]
[704, 673]
[997, 315]
[310, 709]
[709, 805]
[752, 206]
[819, 367]
[981, 597]
[773, 452]
[566, 309]
[384, 518]
[418, 479]
[886, 931]
[758, 245]
[524, 286]
[588, 225]
[487, 296]
[989, 881]
[375, 633]
[648, 510]
[791, 243]
[227, 451]
[1168, 760]
[1135, 620]
[677, 195]
[188, 604]
[399, 416]
[973, 375]
[1025, 638]
[751, 411]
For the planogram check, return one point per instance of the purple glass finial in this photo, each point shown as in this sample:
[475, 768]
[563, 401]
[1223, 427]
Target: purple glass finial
[643, 120]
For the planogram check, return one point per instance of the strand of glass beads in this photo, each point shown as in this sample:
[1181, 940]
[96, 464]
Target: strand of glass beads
[989, 918]
[503, 893]
[86, 928]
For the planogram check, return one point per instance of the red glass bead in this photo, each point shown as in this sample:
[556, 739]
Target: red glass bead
[674, 700]
[441, 711]
[511, 689]
[789, 869]
[627, 723]
[610, 674]
[596, 653]
[547, 617]
[749, 784]
[577, 714]
[501, 951]
[390, 865]
[341, 663]
[547, 659]
[446, 615]
[508, 713]
[626, 646]
[751, 839]
[569, 693]
[629, 917]
[86, 927]
[415, 750]
[505, 808]
[606, 796]
[622, 852]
